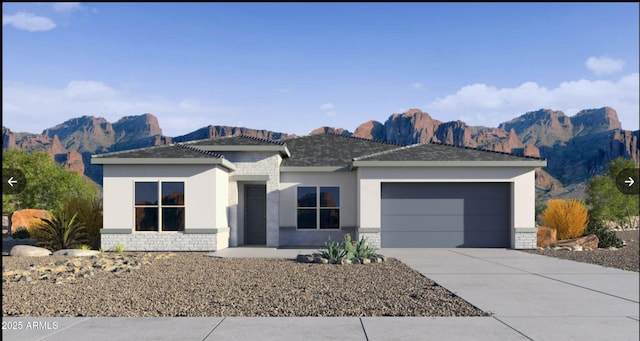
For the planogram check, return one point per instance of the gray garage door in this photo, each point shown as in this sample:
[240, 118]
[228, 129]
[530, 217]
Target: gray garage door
[445, 214]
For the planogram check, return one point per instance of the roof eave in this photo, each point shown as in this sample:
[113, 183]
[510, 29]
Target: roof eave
[523, 163]
[163, 161]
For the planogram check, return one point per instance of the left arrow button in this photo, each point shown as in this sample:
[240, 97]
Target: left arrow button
[13, 181]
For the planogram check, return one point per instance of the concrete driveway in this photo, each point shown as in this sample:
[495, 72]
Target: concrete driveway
[542, 298]
[532, 297]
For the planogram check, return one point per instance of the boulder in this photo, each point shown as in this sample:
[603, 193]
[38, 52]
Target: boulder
[590, 241]
[76, 253]
[27, 218]
[546, 236]
[28, 251]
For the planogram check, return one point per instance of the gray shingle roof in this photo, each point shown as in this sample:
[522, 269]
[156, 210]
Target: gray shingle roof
[238, 140]
[172, 151]
[440, 152]
[327, 150]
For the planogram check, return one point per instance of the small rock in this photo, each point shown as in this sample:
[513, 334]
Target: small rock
[345, 261]
[76, 253]
[612, 248]
[577, 248]
[365, 260]
[28, 251]
[355, 261]
[320, 260]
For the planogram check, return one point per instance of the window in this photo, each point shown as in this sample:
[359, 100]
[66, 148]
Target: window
[318, 207]
[150, 211]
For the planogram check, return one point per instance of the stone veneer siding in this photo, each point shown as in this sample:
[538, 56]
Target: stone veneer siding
[150, 241]
[255, 163]
[525, 238]
[372, 236]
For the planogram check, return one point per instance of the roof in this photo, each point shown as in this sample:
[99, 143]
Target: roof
[330, 150]
[237, 140]
[165, 154]
[322, 152]
[241, 143]
[433, 154]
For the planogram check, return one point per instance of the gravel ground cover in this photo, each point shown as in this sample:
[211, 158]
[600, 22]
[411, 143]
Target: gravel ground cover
[625, 258]
[192, 284]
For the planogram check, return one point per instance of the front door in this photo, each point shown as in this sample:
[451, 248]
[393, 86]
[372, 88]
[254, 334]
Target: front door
[255, 214]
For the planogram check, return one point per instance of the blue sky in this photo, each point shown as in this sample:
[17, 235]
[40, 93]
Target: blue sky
[296, 67]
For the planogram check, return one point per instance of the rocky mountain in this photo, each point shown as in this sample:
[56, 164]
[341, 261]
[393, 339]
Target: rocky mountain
[576, 147]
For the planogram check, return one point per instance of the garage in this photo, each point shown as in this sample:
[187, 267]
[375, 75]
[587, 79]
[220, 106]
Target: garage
[439, 214]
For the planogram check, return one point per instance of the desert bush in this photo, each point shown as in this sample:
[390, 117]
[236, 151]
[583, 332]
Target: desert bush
[347, 249]
[540, 207]
[606, 202]
[89, 214]
[334, 250]
[359, 249]
[606, 237]
[568, 217]
[60, 232]
[21, 233]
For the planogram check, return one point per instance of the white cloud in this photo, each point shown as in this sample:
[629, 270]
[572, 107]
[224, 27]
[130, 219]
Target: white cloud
[417, 85]
[481, 104]
[32, 109]
[66, 7]
[28, 22]
[327, 106]
[604, 65]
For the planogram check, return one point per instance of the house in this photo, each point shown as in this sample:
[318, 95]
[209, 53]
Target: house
[207, 195]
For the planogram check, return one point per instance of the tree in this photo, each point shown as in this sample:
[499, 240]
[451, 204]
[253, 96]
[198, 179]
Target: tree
[48, 185]
[606, 202]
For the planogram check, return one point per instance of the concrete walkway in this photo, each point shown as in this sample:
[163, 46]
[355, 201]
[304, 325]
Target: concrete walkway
[531, 297]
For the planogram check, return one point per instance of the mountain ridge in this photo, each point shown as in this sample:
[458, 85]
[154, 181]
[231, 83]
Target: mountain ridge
[567, 142]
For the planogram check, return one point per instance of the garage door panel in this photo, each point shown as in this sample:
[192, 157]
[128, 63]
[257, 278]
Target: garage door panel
[486, 207]
[423, 223]
[445, 214]
[422, 239]
[422, 206]
[487, 222]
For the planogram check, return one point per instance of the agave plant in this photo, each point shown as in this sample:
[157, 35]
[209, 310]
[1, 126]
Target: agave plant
[363, 250]
[334, 250]
[61, 232]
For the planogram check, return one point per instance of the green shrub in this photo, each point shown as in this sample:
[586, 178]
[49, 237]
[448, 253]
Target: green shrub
[89, 214]
[606, 237]
[119, 248]
[540, 207]
[21, 233]
[60, 232]
[363, 250]
[85, 247]
[334, 250]
[347, 249]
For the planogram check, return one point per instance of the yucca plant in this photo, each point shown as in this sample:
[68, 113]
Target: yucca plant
[60, 232]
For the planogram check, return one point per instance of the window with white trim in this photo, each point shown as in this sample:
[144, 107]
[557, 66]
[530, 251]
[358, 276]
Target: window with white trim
[318, 207]
[166, 214]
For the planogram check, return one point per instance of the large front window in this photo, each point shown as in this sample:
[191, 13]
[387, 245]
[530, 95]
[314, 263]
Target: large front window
[318, 207]
[166, 214]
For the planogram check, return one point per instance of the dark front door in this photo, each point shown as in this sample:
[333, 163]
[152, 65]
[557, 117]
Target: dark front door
[255, 214]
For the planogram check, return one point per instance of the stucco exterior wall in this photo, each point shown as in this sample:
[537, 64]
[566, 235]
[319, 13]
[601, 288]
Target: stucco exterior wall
[289, 181]
[206, 193]
[521, 178]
